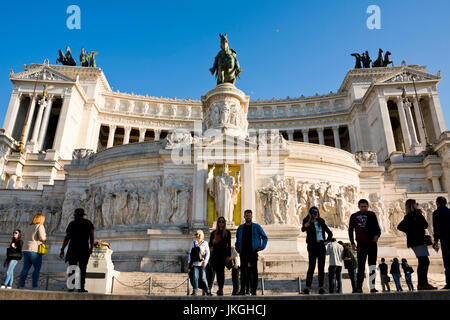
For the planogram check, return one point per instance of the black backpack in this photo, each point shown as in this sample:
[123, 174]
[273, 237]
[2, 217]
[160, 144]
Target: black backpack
[196, 254]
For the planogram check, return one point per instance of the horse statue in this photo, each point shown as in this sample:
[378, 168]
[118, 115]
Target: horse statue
[387, 61]
[226, 66]
[380, 61]
[88, 59]
[358, 64]
[66, 59]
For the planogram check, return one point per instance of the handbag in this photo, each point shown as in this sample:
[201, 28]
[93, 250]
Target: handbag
[388, 279]
[12, 254]
[428, 240]
[43, 249]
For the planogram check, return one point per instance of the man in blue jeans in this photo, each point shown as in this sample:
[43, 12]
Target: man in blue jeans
[441, 228]
[250, 239]
[364, 224]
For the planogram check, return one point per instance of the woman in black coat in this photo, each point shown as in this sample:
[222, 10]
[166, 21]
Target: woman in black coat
[13, 255]
[316, 228]
[220, 246]
[414, 225]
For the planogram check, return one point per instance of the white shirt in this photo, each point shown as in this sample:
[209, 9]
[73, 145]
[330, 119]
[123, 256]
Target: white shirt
[336, 253]
[204, 250]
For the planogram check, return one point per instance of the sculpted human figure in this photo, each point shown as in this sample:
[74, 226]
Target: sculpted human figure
[223, 189]
[98, 212]
[133, 206]
[226, 66]
[107, 208]
[120, 205]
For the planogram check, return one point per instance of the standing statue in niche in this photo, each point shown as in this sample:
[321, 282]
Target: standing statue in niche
[226, 65]
[224, 189]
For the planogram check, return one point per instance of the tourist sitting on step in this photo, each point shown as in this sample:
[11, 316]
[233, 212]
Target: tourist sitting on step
[414, 225]
[316, 228]
[13, 255]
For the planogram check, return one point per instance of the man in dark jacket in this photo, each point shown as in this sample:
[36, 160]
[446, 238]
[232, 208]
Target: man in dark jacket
[441, 228]
[365, 224]
[315, 228]
[80, 237]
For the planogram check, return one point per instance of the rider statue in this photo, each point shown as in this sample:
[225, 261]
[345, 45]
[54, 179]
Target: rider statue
[226, 66]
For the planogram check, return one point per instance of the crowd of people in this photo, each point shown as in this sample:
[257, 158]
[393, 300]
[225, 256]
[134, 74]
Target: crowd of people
[208, 260]
[30, 246]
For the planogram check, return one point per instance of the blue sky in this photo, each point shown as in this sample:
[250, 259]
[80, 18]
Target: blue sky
[165, 48]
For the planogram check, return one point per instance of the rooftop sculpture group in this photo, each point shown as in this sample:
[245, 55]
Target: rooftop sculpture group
[363, 61]
[87, 59]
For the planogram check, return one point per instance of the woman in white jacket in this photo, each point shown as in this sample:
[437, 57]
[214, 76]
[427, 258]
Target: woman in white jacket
[198, 259]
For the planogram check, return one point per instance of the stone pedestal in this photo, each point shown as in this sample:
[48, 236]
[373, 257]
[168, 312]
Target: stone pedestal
[100, 271]
[225, 110]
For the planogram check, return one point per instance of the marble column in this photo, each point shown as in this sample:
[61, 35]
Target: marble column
[352, 137]
[12, 112]
[337, 140]
[30, 117]
[437, 115]
[126, 136]
[419, 123]
[305, 133]
[37, 126]
[157, 134]
[386, 126]
[45, 122]
[404, 124]
[290, 135]
[436, 184]
[112, 132]
[199, 195]
[321, 137]
[412, 129]
[142, 132]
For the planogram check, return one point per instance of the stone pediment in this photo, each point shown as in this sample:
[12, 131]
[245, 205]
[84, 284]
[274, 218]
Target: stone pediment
[406, 75]
[41, 73]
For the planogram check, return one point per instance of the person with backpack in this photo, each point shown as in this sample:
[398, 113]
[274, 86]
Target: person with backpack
[198, 259]
[414, 225]
[220, 247]
[316, 228]
[395, 271]
[350, 264]
[13, 255]
[383, 267]
[408, 270]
